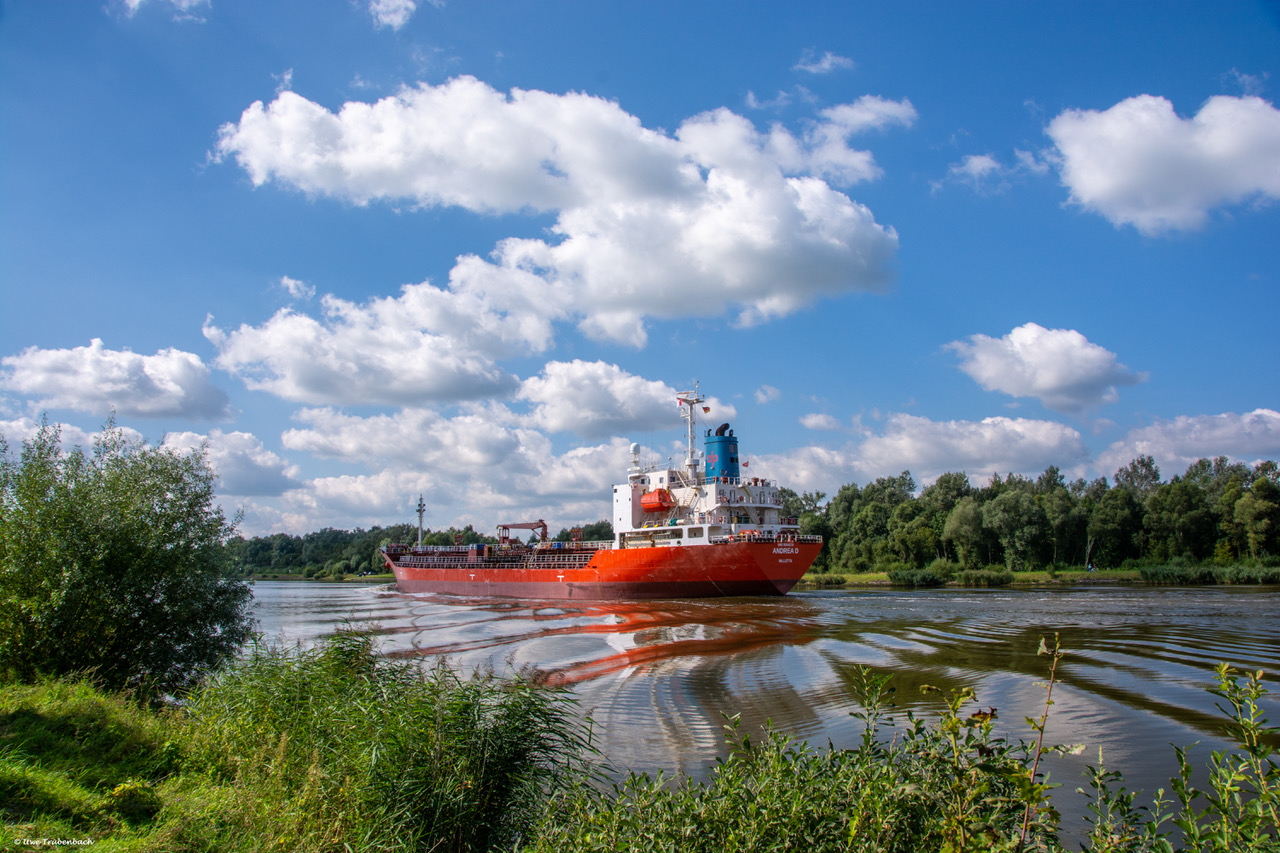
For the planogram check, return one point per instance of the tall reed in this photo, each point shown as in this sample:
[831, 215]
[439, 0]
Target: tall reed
[338, 747]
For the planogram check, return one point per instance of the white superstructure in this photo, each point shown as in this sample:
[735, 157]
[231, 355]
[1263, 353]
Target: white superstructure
[703, 501]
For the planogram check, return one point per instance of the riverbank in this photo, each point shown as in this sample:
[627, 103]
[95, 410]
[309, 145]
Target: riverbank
[1037, 578]
[286, 751]
[1176, 574]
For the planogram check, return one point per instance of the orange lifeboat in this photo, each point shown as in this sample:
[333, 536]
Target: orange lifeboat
[658, 500]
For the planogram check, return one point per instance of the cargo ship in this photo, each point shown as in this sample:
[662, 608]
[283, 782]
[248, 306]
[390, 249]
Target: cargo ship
[697, 530]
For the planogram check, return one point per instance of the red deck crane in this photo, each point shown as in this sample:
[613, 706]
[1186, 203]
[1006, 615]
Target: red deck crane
[504, 530]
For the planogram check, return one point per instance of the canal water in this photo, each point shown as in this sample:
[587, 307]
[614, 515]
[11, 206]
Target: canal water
[657, 677]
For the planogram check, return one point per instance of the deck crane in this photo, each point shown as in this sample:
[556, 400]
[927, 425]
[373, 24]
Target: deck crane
[504, 530]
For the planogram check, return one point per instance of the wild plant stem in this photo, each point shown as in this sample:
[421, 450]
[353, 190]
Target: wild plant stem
[1044, 721]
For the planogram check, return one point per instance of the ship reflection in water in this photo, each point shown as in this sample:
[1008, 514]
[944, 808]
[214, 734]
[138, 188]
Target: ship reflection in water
[657, 677]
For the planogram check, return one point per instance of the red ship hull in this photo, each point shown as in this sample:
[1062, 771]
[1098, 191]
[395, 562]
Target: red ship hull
[770, 567]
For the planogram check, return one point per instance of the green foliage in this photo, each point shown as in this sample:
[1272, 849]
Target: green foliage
[315, 554]
[1239, 811]
[76, 760]
[1021, 526]
[1114, 527]
[943, 568]
[338, 745]
[1179, 521]
[900, 575]
[1178, 573]
[335, 749]
[825, 579]
[1139, 478]
[951, 786]
[1247, 574]
[113, 562]
[990, 576]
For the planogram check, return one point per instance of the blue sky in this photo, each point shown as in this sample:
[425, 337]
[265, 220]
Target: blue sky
[369, 249]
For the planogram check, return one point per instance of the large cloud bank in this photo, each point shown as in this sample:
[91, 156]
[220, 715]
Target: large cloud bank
[929, 448]
[717, 216]
[1175, 444]
[95, 379]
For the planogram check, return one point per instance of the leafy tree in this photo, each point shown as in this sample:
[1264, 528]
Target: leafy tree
[1233, 540]
[963, 530]
[1051, 479]
[1021, 526]
[1216, 476]
[794, 505]
[1258, 515]
[1114, 527]
[1067, 521]
[913, 537]
[114, 562]
[1140, 477]
[1088, 492]
[946, 492]
[1179, 521]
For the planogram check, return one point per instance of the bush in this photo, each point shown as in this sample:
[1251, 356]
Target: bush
[1176, 574]
[915, 577]
[990, 576]
[1245, 573]
[943, 568]
[114, 563]
[950, 786]
[826, 579]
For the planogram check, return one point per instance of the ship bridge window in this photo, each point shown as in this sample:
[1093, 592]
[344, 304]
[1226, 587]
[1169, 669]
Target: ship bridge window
[695, 532]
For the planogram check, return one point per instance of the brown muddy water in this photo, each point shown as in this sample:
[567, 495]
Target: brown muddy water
[657, 677]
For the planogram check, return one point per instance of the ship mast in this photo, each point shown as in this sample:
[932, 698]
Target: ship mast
[422, 507]
[688, 400]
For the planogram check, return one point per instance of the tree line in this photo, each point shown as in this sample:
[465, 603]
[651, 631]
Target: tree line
[1217, 510]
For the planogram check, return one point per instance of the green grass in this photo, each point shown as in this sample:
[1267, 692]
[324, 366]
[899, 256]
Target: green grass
[824, 579]
[320, 750]
[75, 762]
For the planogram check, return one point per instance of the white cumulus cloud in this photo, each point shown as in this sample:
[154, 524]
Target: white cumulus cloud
[596, 399]
[184, 10]
[426, 344]
[297, 289]
[767, 394]
[243, 465]
[94, 379]
[415, 438]
[929, 448]
[1060, 367]
[392, 13]
[482, 466]
[816, 420]
[1139, 163]
[1250, 437]
[18, 430]
[824, 64]
[718, 216]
